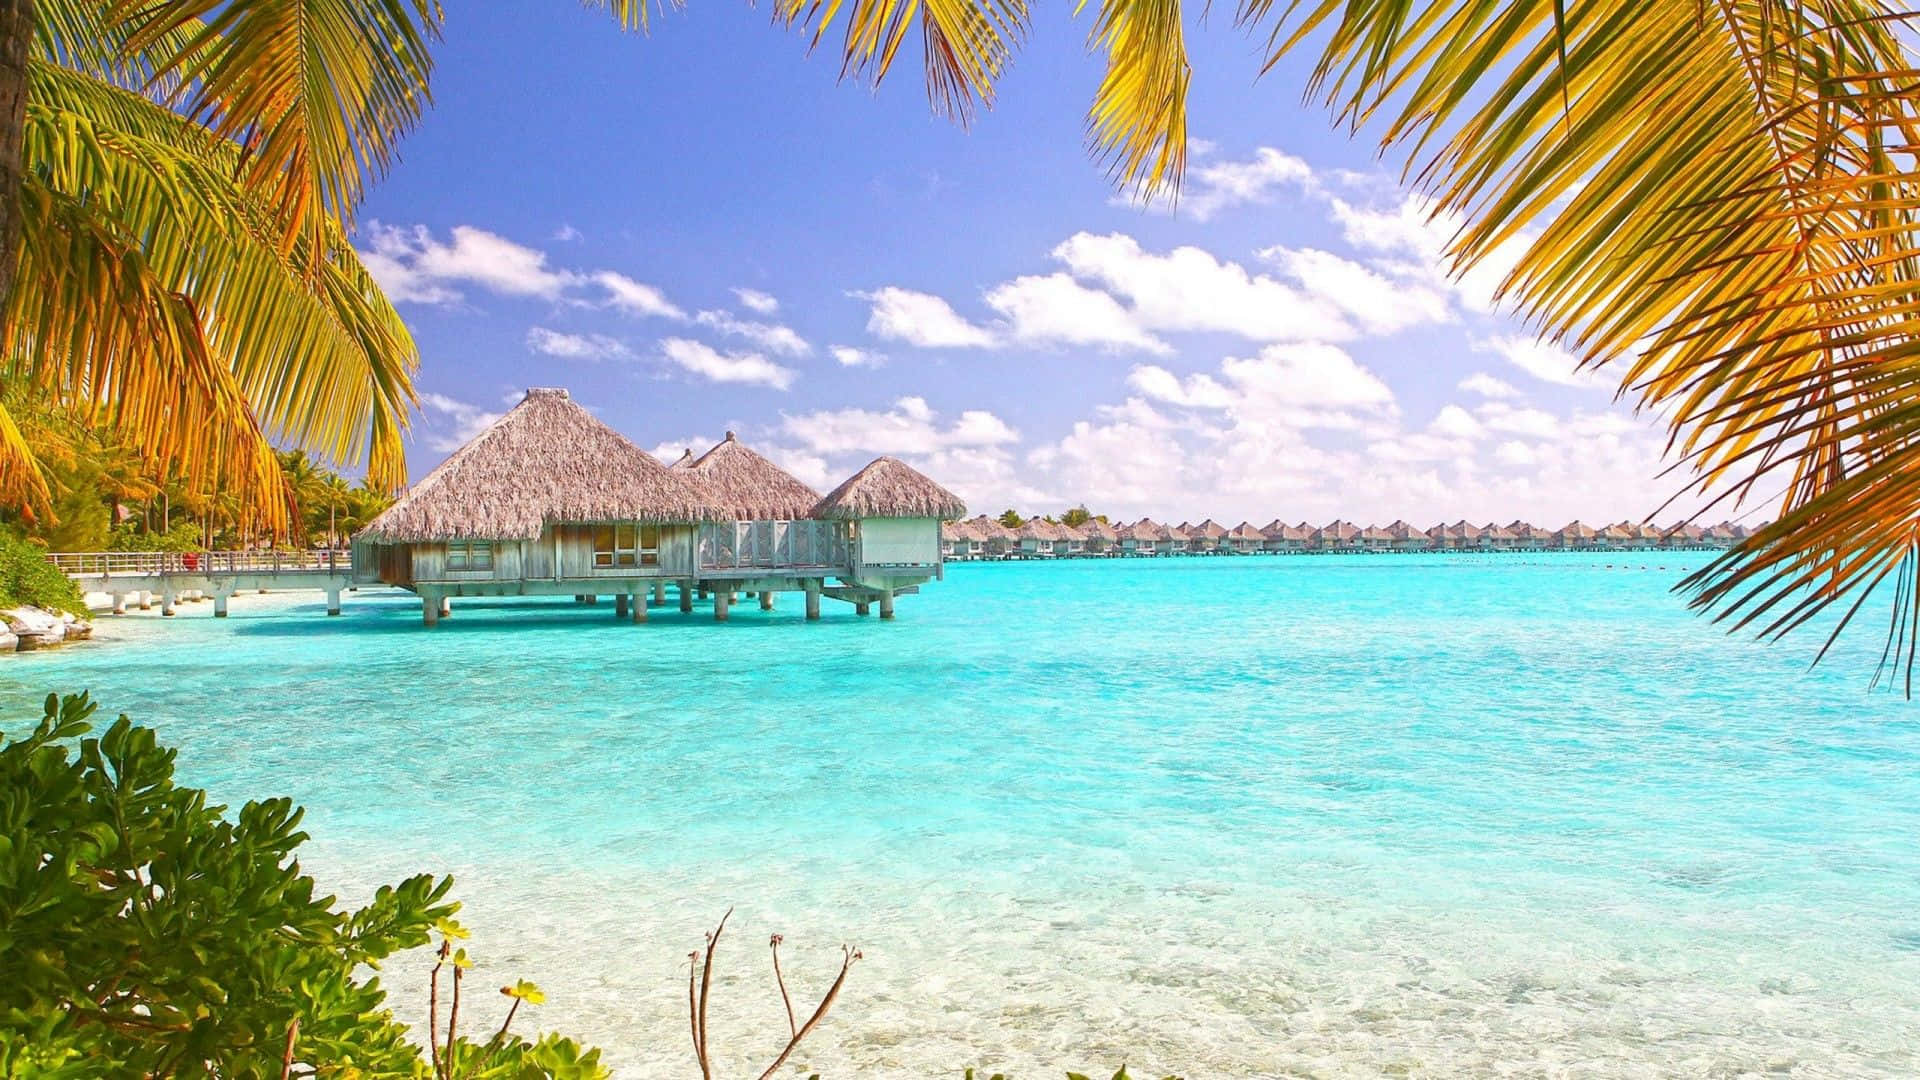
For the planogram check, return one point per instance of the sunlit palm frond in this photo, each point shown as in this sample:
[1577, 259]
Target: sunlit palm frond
[83, 36]
[966, 44]
[316, 92]
[1718, 199]
[22, 483]
[325, 360]
[90, 321]
[1139, 117]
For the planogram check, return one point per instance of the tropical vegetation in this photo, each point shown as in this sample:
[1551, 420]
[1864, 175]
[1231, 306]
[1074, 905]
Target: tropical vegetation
[28, 579]
[145, 931]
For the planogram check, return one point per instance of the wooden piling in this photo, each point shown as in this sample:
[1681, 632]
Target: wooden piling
[620, 605]
[430, 610]
[333, 601]
[721, 599]
[886, 604]
[813, 598]
[686, 598]
[766, 600]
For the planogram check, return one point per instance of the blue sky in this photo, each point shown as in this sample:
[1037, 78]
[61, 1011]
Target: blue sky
[704, 230]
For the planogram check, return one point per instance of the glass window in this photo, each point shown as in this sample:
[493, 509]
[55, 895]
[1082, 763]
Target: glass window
[617, 547]
[470, 555]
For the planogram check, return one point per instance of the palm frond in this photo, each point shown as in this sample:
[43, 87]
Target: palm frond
[1139, 116]
[316, 92]
[91, 322]
[1719, 199]
[321, 354]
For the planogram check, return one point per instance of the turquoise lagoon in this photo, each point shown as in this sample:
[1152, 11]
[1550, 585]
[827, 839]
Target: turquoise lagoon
[1431, 816]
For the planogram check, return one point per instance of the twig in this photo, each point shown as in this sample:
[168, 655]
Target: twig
[706, 981]
[453, 1018]
[286, 1059]
[693, 1003]
[851, 954]
[782, 984]
[433, 1008]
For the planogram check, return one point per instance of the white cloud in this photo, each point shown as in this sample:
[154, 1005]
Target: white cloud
[1188, 289]
[1418, 229]
[1220, 185]
[910, 427]
[1055, 309]
[636, 298]
[1499, 416]
[848, 356]
[1376, 303]
[770, 336]
[1543, 360]
[567, 234]
[1198, 390]
[921, 319]
[704, 360]
[458, 421]
[411, 265]
[1454, 422]
[1515, 454]
[756, 301]
[576, 346]
[1487, 386]
[671, 450]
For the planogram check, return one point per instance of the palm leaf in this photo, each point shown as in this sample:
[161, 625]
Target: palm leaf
[1720, 202]
[317, 92]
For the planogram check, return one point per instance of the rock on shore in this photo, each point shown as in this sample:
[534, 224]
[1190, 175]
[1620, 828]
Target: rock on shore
[31, 628]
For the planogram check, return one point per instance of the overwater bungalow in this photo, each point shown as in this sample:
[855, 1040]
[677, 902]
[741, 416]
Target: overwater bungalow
[1102, 537]
[749, 486]
[1070, 540]
[1721, 535]
[548, 500]
[1036, 538]
[1337, 535]
[1529, 537]
[1497, 538]
[1403, 536]
[1208, 537]
[962, 540]
[1575, 534]
[1141, 537]
[1244, 539]
[1684, 535]
[1375, 538]
[1176, 539]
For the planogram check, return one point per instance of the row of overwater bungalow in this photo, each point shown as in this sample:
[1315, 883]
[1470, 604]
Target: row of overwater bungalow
[549, 501]
[986, 538]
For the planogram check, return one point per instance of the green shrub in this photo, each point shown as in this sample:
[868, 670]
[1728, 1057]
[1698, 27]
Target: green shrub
[130, 536]
[144, 932]
[26, 577]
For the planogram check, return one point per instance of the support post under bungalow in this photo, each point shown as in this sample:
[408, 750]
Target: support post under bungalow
[766, 599]
[620, 605]
[660, 593]
[886, 603]
[166, 601]
[861, 607]
[429, 609]
[686, 598]
[446, 606]
[813, 598]
[333, 600]
[220, 604]
[721, 598]
[640, 606]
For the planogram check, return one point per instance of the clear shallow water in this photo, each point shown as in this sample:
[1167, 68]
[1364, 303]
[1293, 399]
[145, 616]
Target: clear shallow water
[1233, 817]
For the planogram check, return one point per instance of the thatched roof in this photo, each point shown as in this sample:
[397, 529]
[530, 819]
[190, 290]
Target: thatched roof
[1574, 530]
[1210, 530]
[1100, 529]
[989, 528]
[1144, 529]
[1338, 531]
[1375, 532]
[754, 488]
[889, 488]
[1038, 528]
[1402, 530]
[685, 460]
[1246, 531]
[548, 460]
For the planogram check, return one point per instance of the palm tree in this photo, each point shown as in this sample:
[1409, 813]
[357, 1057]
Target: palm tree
[177, 182]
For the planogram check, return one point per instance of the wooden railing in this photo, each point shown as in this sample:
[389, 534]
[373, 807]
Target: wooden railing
[156, 563]
[753, 545]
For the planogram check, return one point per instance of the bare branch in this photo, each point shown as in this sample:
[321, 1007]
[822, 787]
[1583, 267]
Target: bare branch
[433, 1008]
[850, 954]
[782, 984]
[706, 982]
[286, 1059]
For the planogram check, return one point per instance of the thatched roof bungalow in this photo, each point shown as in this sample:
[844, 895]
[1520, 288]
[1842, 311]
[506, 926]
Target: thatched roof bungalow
[1335, 536]
[1403, 536]
[546, 492]
[1375, 538]
[1244, 538]
[749, 485]
[893, 514]
[1208, 536]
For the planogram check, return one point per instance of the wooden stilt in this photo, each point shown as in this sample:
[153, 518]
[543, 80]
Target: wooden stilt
[220, 605]
[766, 600]
[146, 600]
[166, 602]
[620, 605]
[119, 603]
[430, 610]
[721, 599]
[333, 601]
[886, 604]
[813, 598]
[446, 606]
[640, 607]
[686, 598]
[660, 593]
[861, 607]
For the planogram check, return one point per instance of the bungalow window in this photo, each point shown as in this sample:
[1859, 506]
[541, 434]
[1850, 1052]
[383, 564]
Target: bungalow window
[470, 555]
[621, 546]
